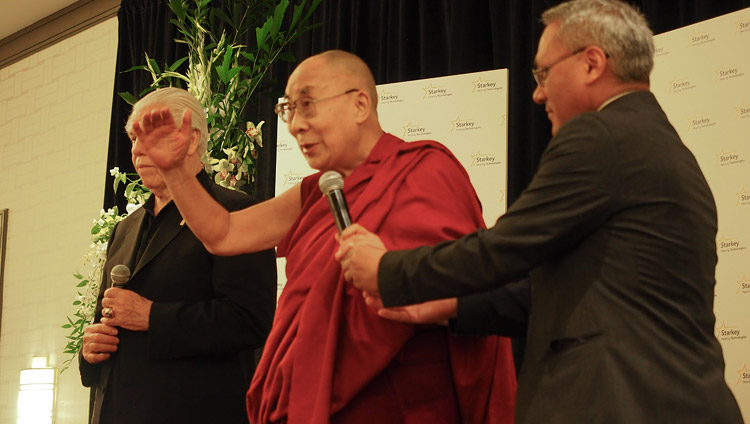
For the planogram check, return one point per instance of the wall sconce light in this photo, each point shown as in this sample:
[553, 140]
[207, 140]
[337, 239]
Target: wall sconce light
[36, 397]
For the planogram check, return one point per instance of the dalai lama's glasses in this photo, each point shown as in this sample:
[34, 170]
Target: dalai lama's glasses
[304, 106]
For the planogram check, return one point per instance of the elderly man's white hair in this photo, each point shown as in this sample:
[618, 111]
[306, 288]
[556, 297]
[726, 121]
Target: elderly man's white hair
[178, 100]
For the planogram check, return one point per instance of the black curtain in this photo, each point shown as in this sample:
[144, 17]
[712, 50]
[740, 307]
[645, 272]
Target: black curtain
[401, 40]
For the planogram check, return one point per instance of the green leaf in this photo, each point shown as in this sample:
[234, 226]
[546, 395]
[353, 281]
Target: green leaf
[83, 283]
[78, 275]
[248, 55]
[262, 33]
[67, 326]
[310, 11]
[135, 68]
[178, 9]
[76, 302]
[278, 17]
[177, 64]
[95, 229]
[223, 69]
[296, 12]
[129, 98]
[233, 72]
[152, 65]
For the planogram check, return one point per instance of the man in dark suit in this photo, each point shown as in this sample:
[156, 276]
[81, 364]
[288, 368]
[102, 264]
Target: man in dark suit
[175, 344]
[617, 229]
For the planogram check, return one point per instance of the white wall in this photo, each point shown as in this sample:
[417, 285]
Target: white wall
[54, 128]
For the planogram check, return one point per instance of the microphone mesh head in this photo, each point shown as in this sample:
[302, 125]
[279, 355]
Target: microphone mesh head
[330, 180]
[120, 274]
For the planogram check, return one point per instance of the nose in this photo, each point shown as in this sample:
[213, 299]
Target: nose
[539, 96]
[136, 149]
[297, 124]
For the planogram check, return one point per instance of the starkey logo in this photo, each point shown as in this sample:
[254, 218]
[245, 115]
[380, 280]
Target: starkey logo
[435, 92]
[459, 124]
[743, 197]
[283, 146]
[742, 24]
[292, 178]
[699, 38]
[729, 244]
[698, 122]
[729, 158]
[484, 159]
[386, 97]
[729, 333]
[481, 85]
[678, 85]
[660, 51]
[743, 285]
[725, 73]
[743, 374]
[743, 111]
[414, 130]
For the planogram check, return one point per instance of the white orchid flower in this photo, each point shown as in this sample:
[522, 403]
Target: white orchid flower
[254, 132]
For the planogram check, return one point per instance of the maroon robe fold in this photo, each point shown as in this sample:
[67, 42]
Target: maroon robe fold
[326, 344]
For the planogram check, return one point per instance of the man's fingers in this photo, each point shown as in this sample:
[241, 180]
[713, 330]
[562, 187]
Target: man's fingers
[95, 357]
[99, 328]
[187, 119]
[394, 314]
[352, 230]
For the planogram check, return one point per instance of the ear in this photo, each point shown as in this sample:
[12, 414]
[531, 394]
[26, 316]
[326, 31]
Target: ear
[195, 137]
[362, 105]
[596, 59]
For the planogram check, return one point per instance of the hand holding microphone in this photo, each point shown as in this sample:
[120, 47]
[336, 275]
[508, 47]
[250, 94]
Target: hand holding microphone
[124, 308]
[359, 250]
[119, 275]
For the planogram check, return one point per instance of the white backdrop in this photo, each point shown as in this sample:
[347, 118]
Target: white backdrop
[702, 80]
[467, 113]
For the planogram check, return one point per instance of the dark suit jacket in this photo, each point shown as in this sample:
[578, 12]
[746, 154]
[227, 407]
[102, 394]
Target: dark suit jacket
[618, 229]
[195, 362]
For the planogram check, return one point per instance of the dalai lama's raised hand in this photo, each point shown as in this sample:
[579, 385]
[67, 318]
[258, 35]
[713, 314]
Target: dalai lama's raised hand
[359, 253]
[165, 143]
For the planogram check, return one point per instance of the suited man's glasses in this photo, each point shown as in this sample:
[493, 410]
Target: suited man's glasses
[541, 74]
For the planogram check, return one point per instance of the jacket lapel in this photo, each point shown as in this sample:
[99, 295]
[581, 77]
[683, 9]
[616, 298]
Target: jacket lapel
[129, 233]
[167, 230]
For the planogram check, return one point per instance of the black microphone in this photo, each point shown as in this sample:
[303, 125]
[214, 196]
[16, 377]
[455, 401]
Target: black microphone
[119, 275]
[332, 185]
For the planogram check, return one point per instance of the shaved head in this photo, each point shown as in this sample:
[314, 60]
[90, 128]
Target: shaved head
[346, 68]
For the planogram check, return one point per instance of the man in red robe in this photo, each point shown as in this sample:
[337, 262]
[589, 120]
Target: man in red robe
[330, 357]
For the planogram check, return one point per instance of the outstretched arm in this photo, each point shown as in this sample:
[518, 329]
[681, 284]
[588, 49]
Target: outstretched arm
[170, 147]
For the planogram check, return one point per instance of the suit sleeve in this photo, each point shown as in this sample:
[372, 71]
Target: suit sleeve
[503, 311]
[572, 193]
[238, 315]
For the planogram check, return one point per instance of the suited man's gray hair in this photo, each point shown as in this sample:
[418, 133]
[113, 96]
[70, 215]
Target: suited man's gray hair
[178, 100]
[617, 27]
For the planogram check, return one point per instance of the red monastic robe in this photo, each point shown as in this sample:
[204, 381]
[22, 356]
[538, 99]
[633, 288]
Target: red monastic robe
[326, 344]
